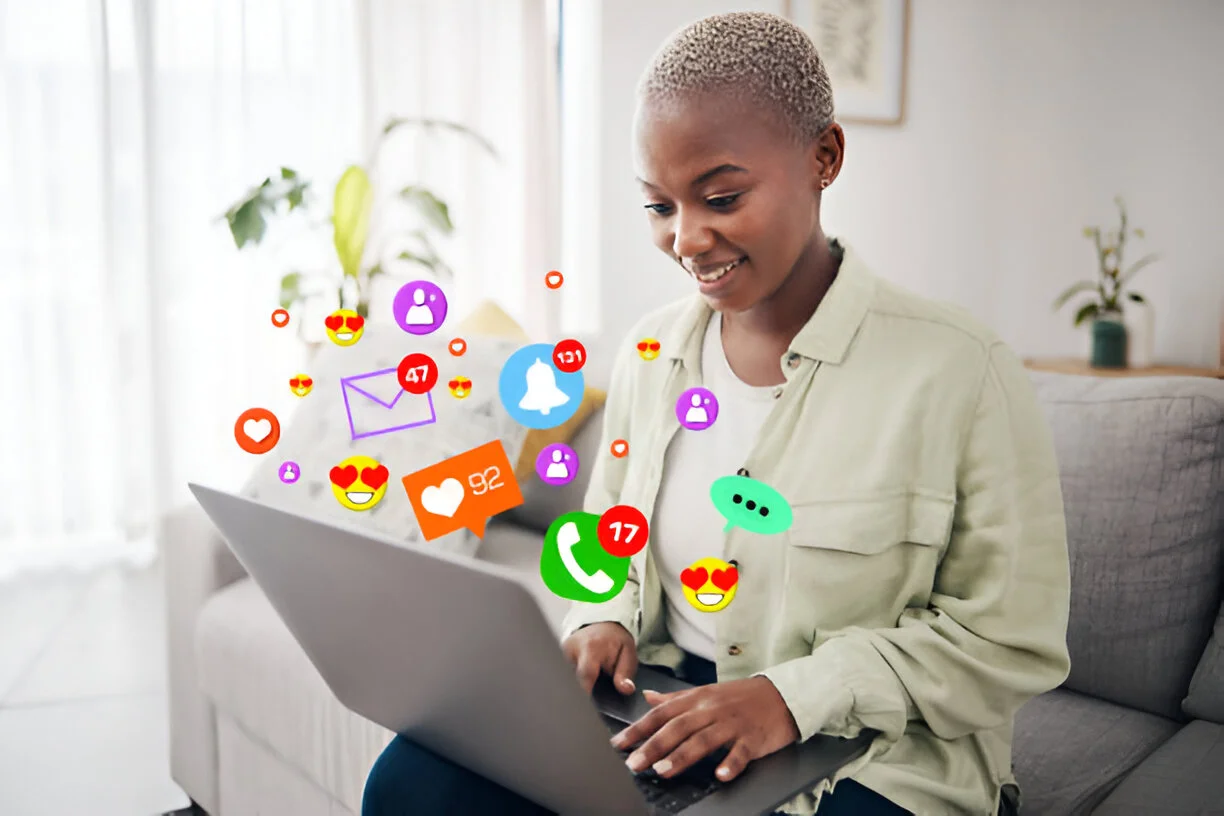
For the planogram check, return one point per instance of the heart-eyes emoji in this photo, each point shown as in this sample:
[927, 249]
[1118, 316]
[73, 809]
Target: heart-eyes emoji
[300, 384]
[648, 348]
[359, 482]
[460, 387]
[344, 327]
[709, 584]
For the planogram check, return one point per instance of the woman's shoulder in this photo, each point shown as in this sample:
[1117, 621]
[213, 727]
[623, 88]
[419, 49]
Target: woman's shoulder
[943, 321]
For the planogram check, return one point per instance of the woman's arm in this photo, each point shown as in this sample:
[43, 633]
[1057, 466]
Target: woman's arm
[994, 635]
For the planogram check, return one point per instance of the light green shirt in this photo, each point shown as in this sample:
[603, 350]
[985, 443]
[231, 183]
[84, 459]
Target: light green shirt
[923, 588]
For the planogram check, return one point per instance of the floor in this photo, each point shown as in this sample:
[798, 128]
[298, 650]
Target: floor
[83, 721]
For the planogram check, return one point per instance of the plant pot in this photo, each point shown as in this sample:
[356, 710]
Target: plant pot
[1108, 341]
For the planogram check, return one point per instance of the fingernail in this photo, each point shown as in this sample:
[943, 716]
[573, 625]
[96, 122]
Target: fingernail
[617, 739]
[636, 762]
[662, 766]
[627, 683]
[723, 773]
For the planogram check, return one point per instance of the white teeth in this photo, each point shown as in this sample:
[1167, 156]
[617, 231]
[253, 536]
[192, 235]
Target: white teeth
[359, 498]
[710, 277]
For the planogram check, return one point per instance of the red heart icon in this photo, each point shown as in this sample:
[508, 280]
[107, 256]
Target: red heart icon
[334, 322]
[294, 382]
[375, 477]
[307, 382]
[725, 579]
[694, 579]
[342, 477]
[355, 322]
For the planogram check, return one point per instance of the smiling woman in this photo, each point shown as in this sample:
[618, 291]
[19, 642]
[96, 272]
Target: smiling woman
[916, 588]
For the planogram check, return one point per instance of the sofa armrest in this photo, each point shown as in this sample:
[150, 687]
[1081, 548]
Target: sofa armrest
[196, 562]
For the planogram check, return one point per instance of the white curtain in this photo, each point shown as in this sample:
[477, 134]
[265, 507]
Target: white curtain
[135, 333]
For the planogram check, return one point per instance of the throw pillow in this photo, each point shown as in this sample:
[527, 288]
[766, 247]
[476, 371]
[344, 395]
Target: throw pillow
[318, 435]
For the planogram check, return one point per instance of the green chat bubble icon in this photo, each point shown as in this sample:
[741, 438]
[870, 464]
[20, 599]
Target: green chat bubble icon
[751, 504]
[575, 566]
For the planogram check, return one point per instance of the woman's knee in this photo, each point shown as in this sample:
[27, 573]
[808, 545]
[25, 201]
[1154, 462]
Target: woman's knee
[401, 770]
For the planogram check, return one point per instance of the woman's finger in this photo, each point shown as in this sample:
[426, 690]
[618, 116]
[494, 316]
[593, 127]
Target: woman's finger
[587, 669]
[735, 762]
[644, 727]
[625, 669]
[679, 727]
[694, 748]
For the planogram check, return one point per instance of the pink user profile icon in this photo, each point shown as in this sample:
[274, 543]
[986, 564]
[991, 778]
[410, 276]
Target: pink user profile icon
[557, 464]
[697, 409]
[289, 472]
[419, 307]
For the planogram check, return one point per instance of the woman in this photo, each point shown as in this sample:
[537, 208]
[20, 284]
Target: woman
[922, 589]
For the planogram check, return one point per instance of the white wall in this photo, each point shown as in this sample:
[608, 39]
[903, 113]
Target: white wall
[1023, 122]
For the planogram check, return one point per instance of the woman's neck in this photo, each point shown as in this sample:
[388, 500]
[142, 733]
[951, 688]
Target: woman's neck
[780, 316]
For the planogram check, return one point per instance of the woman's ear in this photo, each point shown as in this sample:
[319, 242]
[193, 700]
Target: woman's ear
[826, 154]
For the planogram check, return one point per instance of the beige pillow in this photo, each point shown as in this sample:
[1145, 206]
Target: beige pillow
[491, 320]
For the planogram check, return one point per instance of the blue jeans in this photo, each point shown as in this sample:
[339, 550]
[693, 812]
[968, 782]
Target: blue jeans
[410, 780]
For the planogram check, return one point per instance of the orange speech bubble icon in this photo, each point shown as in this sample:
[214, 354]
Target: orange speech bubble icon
[463, 491]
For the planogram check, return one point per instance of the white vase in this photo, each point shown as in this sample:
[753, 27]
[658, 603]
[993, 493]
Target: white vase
[1140, 335]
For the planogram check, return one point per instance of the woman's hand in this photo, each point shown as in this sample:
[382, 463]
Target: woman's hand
[606, 647]
[748, 715]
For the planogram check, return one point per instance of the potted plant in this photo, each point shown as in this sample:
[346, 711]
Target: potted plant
[1109, 291]
[345, 278]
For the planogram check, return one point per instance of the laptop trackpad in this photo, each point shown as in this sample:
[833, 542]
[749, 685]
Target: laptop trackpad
[630, 707]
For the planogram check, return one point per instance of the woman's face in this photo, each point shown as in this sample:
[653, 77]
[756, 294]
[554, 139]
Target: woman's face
[728, 195]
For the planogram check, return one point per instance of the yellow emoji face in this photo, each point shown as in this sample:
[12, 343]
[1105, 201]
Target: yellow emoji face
[460, 387]
[648, 348]
[709, 584]
[359, 482]
[300, 384]
[344, 327]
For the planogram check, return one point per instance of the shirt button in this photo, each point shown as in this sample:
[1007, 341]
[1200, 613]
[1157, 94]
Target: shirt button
[778, 392]
[742, 472]
[792, 360]
[733, 650]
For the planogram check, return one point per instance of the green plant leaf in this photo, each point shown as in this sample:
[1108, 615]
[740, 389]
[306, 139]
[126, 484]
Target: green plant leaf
[288, 173]
[430, 206]
[429, 263]
[1136, 266]
[374, 271]
[435, 124]
[246, 221]
[1086, 311]
[290, 289]
[351, 218]
[1074, 289]
[1135, 296]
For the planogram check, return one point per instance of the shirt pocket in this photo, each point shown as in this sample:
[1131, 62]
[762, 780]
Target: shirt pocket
[861, 561]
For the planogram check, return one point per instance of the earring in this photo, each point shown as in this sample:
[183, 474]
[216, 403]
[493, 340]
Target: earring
[824, 182]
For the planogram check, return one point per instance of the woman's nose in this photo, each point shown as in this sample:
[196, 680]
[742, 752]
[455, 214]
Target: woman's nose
[692, 237]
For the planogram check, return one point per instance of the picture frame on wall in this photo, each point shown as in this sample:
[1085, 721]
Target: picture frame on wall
[864, 45]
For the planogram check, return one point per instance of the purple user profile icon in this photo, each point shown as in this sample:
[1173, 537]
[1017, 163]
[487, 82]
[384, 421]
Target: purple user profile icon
[289, 472]
[697, 409]
[419, 307]
[557, 464]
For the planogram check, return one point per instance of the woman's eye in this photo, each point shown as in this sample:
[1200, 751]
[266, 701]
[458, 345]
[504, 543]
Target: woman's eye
[661, 209]
[722, 201]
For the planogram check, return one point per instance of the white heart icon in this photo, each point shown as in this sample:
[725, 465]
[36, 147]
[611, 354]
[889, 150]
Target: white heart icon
[444, 499]
[619, 447]
[257, 429]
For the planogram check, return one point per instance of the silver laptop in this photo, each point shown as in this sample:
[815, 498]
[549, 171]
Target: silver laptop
[456, 655]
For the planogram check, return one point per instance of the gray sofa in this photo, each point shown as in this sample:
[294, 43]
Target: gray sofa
[1137, 728]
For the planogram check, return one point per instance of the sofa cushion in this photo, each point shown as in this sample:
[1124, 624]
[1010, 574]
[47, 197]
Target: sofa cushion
[1070, 750]
[1142, 465]
[1183, 776]
[255, 672]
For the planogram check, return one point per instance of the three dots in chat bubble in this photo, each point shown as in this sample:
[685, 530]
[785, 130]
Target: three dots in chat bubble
[751, 504]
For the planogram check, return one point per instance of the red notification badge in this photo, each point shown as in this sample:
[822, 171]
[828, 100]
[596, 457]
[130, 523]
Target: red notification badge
[417, 373]
[622, 531]
[569, 356]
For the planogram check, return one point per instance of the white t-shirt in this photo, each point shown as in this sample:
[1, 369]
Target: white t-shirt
[686, 526]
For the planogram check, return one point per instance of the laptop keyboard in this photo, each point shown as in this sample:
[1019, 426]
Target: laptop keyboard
[675, 794]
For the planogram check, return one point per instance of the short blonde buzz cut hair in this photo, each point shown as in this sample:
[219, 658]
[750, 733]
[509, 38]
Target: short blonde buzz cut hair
[751, 56]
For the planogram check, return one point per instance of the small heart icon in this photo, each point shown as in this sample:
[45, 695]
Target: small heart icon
[457, 347]
[694, 579]
[724, 579]
[554, 279]
[444, 499]
[619, 448]
[355, 322]
[334, 322]
[257, 429]
[342, 477]
[375, 477]
[307, 382]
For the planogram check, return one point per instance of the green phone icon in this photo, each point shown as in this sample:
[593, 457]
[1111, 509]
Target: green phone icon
[575, 566]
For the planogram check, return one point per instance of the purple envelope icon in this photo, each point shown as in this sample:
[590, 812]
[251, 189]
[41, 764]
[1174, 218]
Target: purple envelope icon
[377, 404]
